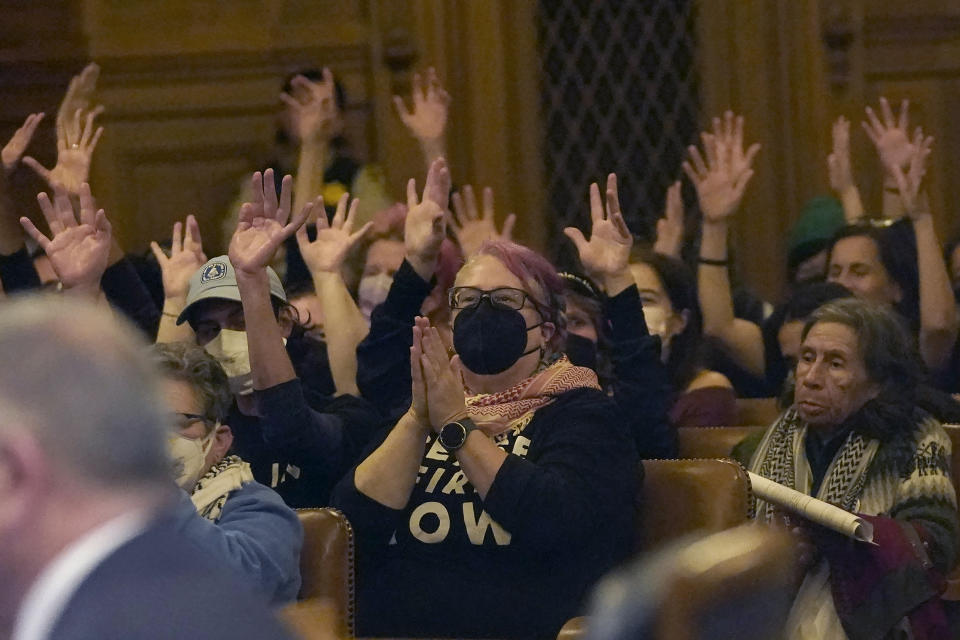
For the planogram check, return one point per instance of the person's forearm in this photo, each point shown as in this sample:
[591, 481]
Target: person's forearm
[892, 203]
[433, 149]
[938, 313]
[269, 361]
[741, 338]
[389, 474]
[425, 266]
[480, 460]
[713, 280]
[309, 181]
[852, 204]
[344, 329]
[169, 330]
[616, 283]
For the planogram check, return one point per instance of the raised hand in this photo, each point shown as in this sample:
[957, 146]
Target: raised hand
[78, 252]
[890, 136]
[186, 256]
[335, 240]
[441, 376]
[608, 250]
[75, 145]
[669, 240]
[263, 225]
[79, 97]
[838, 162]
[472, 228]
[431, 104]
[425, 226]
[914, 201]
[314, 107]
[14, 149]
[722, 179]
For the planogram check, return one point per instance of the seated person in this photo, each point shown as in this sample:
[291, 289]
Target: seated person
[235, 519]
[607, 331]
[857, 436]
[298, 436]
[498, 498]
[668, 291]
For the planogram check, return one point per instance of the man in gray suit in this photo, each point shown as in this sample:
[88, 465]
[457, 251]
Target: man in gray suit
[87, 546]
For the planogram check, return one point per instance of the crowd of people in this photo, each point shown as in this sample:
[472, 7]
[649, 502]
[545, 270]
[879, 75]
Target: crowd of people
[477, 414]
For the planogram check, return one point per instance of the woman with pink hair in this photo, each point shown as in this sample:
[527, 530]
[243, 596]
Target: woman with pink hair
[510, 472]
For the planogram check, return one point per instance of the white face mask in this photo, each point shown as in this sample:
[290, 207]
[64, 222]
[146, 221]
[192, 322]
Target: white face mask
[190, 457]
[656, 317]
[231, 351]
[372, 292]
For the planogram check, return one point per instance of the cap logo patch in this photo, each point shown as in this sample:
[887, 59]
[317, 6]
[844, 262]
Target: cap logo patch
[213, 271]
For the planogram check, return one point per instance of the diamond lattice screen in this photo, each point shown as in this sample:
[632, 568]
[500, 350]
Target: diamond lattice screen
[619, 94]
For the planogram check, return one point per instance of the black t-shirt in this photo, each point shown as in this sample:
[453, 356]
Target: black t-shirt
[560, 514]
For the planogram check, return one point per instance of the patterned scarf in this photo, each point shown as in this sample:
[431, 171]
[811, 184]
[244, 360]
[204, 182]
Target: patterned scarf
[781, 457]
[215, 486]
[496, 413]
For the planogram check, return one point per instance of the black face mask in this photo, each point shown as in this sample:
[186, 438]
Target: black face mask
[582, 351]
[489, 339]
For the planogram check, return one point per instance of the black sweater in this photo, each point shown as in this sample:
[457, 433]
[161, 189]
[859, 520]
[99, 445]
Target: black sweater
[302, 449]
[560, 514]
[641, 385]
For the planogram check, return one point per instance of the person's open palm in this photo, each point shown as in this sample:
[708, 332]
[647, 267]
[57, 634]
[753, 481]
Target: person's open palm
[891, 136]
[431, 104]
[425, 225]
[78, 249]
[313, 105]
[186, 256]
[608, 250]
[473, 228]
[13, 150]
[721, 179]
[334, 240]
[75, 146]
[263, 225]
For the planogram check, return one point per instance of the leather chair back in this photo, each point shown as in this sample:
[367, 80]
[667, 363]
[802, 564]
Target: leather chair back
[682, 496]
[327, 566]
[712, 442]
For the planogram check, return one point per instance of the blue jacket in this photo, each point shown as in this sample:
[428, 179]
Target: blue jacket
[257, 535]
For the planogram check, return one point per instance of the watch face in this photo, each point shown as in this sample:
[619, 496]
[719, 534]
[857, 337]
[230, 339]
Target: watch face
[452, 435]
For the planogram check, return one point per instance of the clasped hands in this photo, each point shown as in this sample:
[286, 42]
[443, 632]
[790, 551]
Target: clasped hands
[438, 395]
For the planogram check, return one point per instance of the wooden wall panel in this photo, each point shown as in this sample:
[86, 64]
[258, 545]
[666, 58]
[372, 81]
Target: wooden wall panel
[762, 59]
[191, 89]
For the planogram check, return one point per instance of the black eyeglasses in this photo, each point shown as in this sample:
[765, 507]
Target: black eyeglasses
[504, 297]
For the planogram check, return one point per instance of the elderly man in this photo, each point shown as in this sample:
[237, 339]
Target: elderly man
[87, 546]
[227, 513]
[856, 436]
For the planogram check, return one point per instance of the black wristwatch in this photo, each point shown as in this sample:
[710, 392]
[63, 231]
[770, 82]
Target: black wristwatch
[454, 434]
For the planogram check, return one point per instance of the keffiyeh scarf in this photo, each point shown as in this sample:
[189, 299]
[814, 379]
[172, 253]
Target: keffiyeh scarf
[213, 489]
[513, 408]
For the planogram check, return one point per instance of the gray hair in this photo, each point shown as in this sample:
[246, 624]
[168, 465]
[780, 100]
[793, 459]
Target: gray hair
[888, 351]
[77, 379]
[191, 364]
